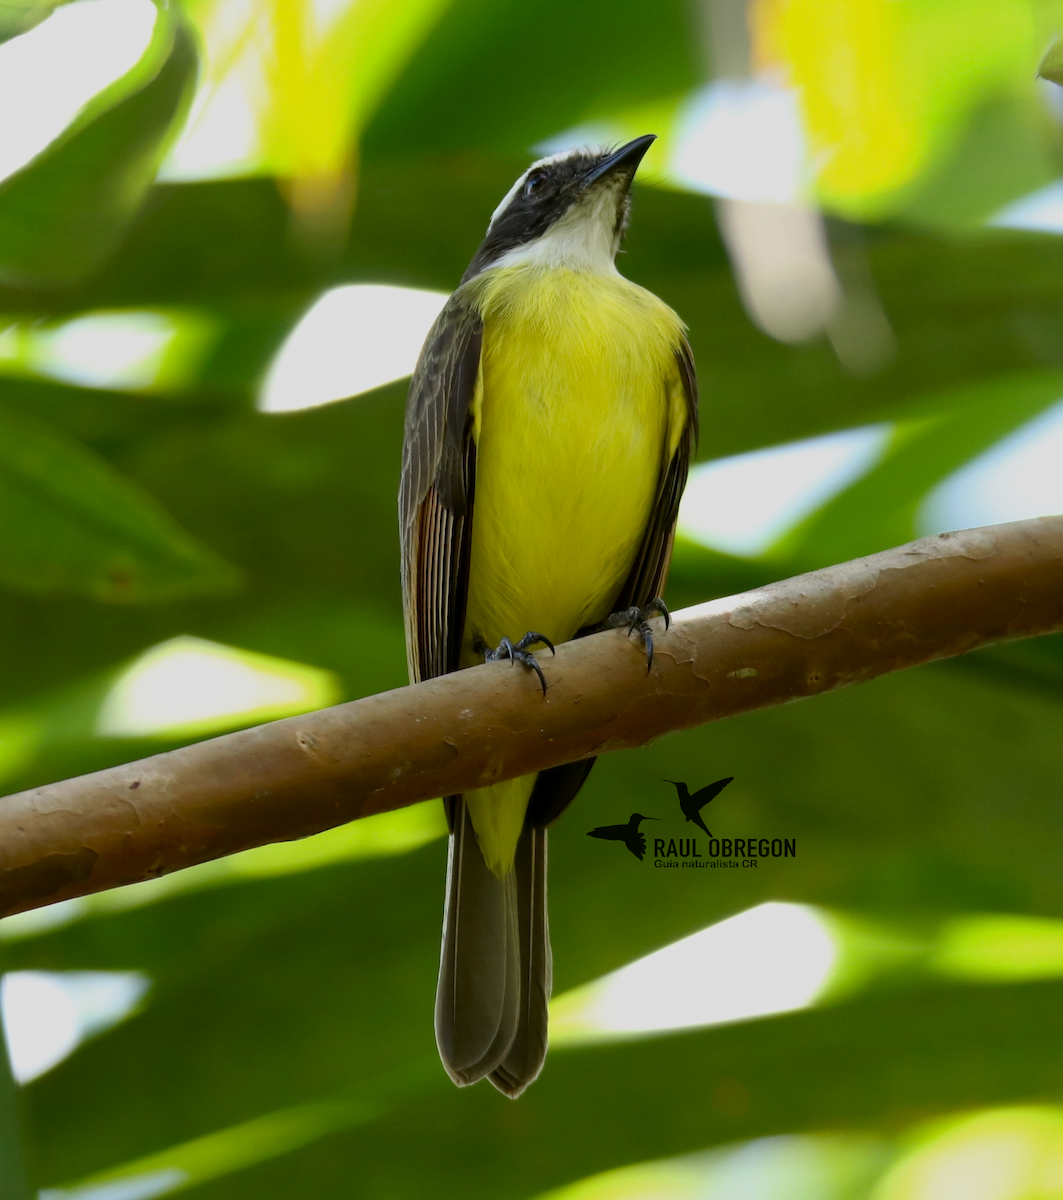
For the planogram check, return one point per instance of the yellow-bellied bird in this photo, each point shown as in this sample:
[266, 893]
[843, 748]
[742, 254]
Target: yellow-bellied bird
[549, 427]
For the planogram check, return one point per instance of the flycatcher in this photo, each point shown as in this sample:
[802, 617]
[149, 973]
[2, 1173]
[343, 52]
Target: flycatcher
[549, 427]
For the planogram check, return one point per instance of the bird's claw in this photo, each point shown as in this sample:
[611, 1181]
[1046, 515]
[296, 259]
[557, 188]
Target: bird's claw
[518, 652]
[638, 618]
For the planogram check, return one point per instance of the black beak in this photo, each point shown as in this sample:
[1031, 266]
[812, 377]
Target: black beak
[625, 160]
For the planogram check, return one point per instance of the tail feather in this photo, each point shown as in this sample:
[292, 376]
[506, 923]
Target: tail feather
[478, 996]
[525, 1058]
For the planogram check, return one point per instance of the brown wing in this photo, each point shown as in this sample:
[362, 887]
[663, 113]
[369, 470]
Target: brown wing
[435, 494]
[647, 577]
[479, 1010]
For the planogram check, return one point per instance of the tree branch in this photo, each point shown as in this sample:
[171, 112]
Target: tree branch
[932, 599]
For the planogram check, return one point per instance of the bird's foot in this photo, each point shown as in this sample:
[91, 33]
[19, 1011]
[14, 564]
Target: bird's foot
[518, 652]
[638, 618]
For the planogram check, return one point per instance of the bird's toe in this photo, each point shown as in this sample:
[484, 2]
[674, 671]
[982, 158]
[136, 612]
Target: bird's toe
[636, 618]
[518, 652]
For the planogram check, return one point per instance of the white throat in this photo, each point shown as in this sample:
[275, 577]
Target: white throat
[583, 240]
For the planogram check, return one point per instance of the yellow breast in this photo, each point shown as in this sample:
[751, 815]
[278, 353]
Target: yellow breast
[578, 410]
[575, 418]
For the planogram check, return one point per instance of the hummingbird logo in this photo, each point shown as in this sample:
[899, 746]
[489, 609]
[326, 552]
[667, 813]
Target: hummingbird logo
[629, 834]
[684, 852]
[693, 804]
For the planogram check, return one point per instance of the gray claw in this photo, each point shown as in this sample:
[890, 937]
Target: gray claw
[519, 653]
[638, 618]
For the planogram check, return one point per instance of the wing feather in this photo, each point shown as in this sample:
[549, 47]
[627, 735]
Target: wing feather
[435, 495]
[647, 577]
[478, 997]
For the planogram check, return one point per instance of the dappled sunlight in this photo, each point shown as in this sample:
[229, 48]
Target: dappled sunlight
[48, 1014]
[288, 86]
[108, 350]
[773, 958]
[744, 504]
[352, 340]
[782, 267]
[222, 138]
[741, 139]
[217, 1154]
[46, 77]
[736, 138]
[887, 88]
[1002, 1154]
[853, 109]
[1040, 212]
[999, 948]
[144, 1186]
[21, 735]
[780, 957]
[223, 224]
[397, 832]
[188, 687]
[131, 350]
[1020, 477]
[647, 1181]
[811, 1167]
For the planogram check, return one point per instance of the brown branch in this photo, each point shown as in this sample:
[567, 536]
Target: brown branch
[932, 599]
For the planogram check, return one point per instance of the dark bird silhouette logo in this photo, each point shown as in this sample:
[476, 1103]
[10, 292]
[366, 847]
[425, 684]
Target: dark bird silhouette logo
[692, 805]
[628, 834]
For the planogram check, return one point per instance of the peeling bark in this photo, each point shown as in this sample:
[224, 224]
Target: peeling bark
[932, 599]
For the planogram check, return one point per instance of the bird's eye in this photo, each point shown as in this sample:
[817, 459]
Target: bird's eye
[534, 183]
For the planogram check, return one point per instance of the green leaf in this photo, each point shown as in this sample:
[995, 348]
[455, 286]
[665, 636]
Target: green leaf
[1051, 67]
[20, 16]
[219, 1154]
[963, 311]
[68, 523]
[943, 433]
[877, 1061]
[13, 1184]
[1004, 152]
[64, 213]
[303, 504]
[503, 76]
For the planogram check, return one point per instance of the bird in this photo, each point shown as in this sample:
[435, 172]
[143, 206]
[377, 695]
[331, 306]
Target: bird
[550, 422]
[692, 805]
[629, 834]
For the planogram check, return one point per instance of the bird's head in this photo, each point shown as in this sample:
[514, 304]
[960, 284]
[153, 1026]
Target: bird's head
[640, 817]
[569, 210]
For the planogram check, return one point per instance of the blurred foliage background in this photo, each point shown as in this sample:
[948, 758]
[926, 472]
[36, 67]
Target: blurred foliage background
[182, 552]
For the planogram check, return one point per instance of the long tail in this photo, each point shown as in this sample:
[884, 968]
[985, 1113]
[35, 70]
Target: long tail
[494, 973]
[478, 995]
[528, 1052]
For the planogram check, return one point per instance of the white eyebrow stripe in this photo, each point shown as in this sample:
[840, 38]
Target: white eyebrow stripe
[509, 196]
[543, 162]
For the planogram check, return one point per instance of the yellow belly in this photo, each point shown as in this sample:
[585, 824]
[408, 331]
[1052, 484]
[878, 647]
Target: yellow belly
[575, 419]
